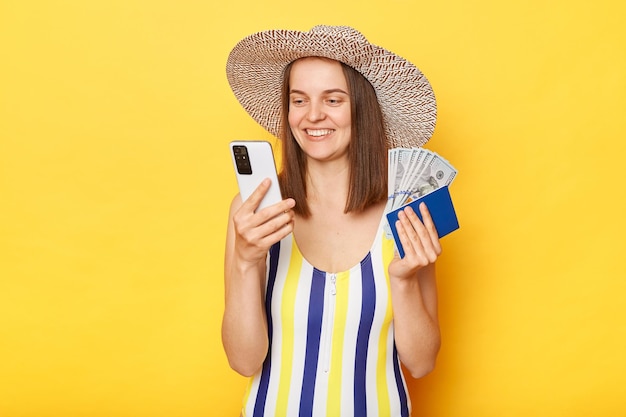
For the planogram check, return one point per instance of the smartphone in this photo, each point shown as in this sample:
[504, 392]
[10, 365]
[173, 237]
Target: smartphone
[254, 161]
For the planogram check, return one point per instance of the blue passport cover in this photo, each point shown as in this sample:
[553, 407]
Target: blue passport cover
[439, 205]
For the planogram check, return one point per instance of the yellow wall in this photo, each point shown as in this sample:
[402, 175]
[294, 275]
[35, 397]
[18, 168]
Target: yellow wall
[115, 181]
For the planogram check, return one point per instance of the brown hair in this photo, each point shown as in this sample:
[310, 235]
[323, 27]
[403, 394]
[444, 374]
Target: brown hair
[367, 150]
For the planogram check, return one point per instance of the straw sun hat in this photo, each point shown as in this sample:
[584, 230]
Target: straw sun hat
[256, 64]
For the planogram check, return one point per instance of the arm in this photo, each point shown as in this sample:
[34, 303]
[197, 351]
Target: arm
[414, 293]
[248, 239]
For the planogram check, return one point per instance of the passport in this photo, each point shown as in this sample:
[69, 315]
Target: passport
[439, 204]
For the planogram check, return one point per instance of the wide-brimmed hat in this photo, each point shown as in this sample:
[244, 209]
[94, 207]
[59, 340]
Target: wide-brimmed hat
[256, 65]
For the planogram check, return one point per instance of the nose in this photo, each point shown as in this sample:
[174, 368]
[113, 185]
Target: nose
[315, 111]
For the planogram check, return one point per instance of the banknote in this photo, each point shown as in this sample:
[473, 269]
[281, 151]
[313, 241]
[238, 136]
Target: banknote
[415, 172]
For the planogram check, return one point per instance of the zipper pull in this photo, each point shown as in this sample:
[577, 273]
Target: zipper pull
[333, 284]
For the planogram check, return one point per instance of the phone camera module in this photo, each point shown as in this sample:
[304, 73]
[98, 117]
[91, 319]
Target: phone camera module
[242, 160]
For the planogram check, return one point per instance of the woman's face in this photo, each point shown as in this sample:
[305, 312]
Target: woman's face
[319, 108]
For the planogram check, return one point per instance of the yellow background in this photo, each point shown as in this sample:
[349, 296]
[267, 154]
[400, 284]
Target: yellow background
[115, 181]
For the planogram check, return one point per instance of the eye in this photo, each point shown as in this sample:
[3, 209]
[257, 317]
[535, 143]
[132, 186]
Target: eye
[335, 100]
[297, 101]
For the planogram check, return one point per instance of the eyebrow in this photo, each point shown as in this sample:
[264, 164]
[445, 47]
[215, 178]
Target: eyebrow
[329, 91]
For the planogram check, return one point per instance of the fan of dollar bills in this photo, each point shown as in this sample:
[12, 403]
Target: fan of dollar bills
[415, 172]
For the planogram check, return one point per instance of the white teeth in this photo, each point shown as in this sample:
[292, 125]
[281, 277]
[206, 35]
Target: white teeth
[319, 132]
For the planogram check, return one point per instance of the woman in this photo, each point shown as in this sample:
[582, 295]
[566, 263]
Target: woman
[319, 309]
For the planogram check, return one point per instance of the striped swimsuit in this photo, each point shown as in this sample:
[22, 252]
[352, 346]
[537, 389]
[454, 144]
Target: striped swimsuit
[332, 350]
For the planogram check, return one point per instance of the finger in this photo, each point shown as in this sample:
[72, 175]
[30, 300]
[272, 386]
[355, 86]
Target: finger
[284, 206]
[417, 224]
[257, 195]
[258, 226]
[409, 238]
[262, 235]
[429, 224]
[426, 245]
[277, 227]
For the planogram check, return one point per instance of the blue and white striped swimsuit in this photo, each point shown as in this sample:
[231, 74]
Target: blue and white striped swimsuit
[332, 350]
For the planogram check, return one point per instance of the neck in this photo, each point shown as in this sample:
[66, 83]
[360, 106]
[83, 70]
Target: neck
[328, 184]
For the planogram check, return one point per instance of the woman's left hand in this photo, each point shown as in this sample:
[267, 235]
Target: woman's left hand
[414, 292]
[419, 240]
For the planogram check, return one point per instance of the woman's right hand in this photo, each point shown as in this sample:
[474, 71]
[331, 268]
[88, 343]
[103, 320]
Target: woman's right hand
[256, 231]
[249, 237]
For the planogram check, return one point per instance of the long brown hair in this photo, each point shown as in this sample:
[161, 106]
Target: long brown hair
[367, 151]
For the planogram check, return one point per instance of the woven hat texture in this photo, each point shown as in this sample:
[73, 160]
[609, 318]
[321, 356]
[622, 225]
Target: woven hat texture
[256, 64]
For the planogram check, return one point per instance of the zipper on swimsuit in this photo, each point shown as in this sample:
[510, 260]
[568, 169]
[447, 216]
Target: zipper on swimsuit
[330, 318]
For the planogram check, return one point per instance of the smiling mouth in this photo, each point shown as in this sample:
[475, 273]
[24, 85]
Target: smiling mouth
[319, 132]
